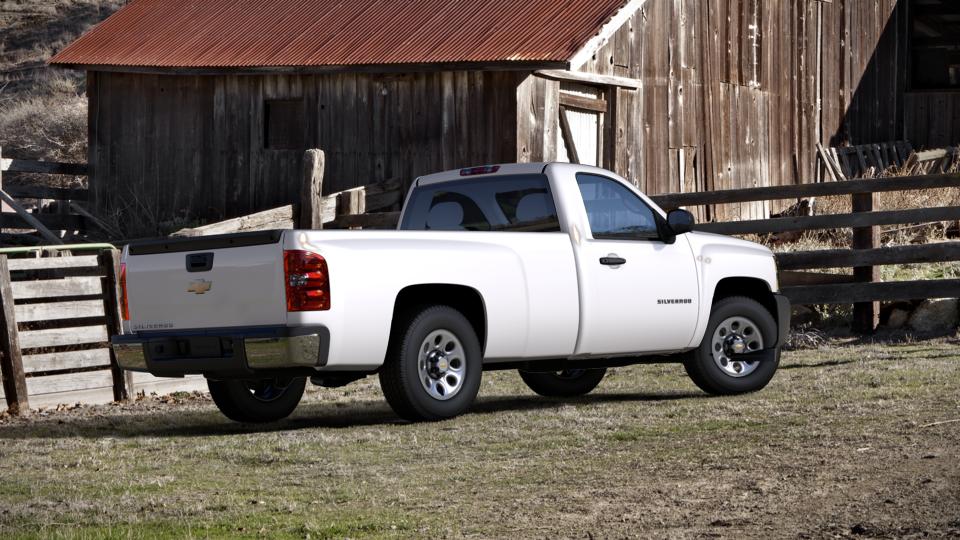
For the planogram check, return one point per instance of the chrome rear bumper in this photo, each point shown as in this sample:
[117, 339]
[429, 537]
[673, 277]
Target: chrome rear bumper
[225, 352]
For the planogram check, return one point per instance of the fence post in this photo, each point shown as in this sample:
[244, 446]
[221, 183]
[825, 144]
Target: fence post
[866, 315]
[110, 285]
[352, 202]
[11, 360]
[311, 190]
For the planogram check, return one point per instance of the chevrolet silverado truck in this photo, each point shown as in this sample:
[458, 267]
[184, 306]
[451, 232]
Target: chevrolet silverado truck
[558, 271]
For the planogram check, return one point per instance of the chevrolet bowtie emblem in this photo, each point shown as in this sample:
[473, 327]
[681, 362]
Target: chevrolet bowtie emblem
[200, 286]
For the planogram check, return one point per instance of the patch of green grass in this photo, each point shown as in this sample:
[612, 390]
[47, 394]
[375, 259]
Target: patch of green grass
[322, 527]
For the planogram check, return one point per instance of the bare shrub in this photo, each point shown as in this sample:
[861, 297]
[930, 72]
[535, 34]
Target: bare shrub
[805, 337]
[42, 110]
[49, 127]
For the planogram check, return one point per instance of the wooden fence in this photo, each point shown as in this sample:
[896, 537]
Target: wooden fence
[70, 216]
[863, 288]
[55, 324]
[375, 206]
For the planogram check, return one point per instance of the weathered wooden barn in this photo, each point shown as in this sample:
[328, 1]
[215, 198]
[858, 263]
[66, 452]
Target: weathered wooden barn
[202, 110]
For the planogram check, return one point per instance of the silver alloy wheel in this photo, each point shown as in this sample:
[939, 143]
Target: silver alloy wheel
[733, 336]
[442, 364]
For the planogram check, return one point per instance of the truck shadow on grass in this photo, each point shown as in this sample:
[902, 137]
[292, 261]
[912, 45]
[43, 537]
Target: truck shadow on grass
[204, 420]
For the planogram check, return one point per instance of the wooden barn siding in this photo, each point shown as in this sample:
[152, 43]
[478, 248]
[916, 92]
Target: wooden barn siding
[827, 71]
[933, 119]
[166, 149]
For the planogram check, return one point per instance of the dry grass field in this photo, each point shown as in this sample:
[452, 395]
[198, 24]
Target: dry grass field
[846, 442]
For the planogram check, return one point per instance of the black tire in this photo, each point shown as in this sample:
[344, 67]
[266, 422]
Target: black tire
[566, 383]
[400, 376]
[259, 401]
[711, 377]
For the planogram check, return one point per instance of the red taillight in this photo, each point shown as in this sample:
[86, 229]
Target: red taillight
[124, 306]
[307, 281]
[488, 169]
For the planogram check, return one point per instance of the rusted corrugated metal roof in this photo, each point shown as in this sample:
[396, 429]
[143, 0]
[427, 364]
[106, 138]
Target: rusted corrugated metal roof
[278, 33]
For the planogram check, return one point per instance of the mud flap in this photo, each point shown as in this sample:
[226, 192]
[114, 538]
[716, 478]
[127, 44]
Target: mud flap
[783, 319]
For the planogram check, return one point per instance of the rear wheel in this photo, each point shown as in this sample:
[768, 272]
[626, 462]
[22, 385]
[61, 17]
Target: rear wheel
[737, 325]
[434, 365]
[566, 383]
[257, 400]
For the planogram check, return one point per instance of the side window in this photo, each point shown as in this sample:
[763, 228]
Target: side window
[614, 211]
[520, 203]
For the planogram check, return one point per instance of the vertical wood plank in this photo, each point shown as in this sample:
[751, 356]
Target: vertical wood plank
[551, 115]
[11, 361]
[311, 189]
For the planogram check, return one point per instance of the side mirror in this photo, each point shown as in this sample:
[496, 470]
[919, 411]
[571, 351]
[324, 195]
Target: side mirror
[680, 221]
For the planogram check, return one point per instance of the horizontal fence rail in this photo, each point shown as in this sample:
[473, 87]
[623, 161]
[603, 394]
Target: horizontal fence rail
[840, 258]
[838, 221]
[43, 167]
[849, 293]
[847, 187]
[24, 191]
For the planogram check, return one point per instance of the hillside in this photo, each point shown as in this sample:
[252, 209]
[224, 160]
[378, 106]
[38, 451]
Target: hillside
[43, 110]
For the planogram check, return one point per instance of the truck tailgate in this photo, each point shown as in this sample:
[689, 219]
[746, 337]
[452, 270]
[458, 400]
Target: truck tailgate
[209, 282]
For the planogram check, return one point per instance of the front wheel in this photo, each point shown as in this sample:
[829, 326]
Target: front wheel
[434, 365]
[737, 325]
[566, 383]
[256, 401]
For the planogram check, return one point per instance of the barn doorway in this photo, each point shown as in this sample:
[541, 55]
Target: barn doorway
[583, 116]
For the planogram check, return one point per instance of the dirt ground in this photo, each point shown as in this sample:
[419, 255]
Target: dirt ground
[849, 441]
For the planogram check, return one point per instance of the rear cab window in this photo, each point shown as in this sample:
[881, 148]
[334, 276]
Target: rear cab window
[517, 203]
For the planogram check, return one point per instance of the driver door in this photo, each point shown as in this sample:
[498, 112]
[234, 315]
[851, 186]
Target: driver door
[638, 294]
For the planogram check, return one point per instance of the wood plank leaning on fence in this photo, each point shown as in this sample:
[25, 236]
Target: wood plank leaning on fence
[371, 206]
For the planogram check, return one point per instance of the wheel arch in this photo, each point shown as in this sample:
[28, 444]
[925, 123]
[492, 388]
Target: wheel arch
[751, 287]
[463, 298]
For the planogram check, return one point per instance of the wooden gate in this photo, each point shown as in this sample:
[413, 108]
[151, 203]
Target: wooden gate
[55, 325]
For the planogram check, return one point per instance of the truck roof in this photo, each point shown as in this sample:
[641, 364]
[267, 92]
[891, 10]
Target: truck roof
[499, 169]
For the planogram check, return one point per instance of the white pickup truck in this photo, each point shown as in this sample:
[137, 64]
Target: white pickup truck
[559, 271]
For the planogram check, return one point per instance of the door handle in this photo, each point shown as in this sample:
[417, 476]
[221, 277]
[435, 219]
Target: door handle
[199, 262]
[612, 260]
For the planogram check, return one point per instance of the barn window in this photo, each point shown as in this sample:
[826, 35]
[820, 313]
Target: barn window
[284, 126]
[934, 44]
[582, 113]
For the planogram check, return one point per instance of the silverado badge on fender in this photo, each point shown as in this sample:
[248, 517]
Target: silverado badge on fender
[200, 286]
